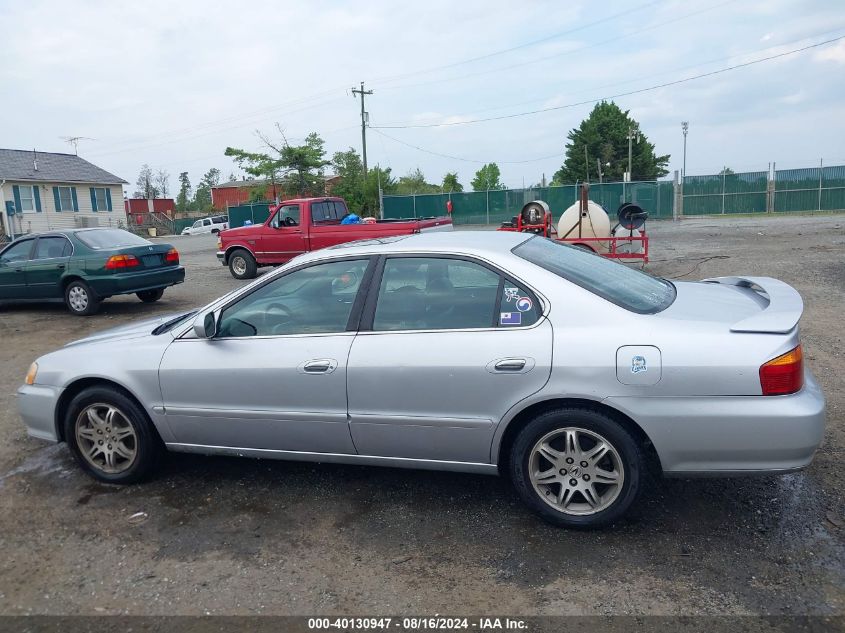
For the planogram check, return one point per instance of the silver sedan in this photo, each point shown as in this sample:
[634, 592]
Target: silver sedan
[477, 352]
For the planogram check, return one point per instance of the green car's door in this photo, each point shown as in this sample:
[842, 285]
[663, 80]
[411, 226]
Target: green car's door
[46, 266]
[13, 260]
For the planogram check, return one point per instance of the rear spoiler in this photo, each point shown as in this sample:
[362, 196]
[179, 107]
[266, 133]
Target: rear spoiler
[779, 316]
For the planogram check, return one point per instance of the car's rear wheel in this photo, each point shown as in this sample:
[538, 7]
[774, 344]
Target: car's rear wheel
[150, 296]
[242, 264]
[576, 467]
[110, 436]
[80, 298]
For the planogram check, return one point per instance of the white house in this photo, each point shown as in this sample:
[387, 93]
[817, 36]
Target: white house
[43, 191]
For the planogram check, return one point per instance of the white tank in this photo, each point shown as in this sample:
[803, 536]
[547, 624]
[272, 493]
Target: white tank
[627, 246]
[594, 223]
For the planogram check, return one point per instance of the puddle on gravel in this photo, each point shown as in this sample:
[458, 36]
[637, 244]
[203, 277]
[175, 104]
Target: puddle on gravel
[49, 460]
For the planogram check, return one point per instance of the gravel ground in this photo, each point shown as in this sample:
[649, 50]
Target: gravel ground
[240, 536]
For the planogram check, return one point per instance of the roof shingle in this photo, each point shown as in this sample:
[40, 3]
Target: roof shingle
[19, 164]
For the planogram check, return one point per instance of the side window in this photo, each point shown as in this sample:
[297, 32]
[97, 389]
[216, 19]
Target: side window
[50, 247]
[287, 215]
[206, 222]
[17, 252]
[518, 306]
[313, 300]
[427, 293]
[197, 224]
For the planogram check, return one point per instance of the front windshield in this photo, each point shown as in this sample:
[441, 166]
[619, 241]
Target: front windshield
[99, 239]
[627, 287]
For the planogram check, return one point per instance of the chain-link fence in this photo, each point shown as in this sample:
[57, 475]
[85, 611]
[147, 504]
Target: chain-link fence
[787, 191]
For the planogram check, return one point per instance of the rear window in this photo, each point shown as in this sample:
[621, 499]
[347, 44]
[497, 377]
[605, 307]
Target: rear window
[110, 238]
[627, 287]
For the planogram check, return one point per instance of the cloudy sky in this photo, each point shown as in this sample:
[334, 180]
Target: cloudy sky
[173, 83]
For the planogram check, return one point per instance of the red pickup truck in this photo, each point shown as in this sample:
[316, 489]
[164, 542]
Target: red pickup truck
[302, 225]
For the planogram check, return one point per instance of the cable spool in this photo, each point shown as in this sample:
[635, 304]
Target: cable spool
[631, 216]
[535, 212]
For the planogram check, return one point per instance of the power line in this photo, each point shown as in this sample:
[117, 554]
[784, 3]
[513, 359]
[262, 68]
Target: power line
[503, 51]
[670, 71]
[614, 96]
[465, 160]
[565, 53]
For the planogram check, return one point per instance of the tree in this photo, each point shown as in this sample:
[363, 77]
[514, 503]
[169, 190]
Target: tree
[202, 198]
[487, 178]
[162, 182]
[350, 168]
[605, 135]
[377, 176]
[145, 183]
[299, 166]
[451, 184]
[183, 198]
[414, 182]
[727, 171]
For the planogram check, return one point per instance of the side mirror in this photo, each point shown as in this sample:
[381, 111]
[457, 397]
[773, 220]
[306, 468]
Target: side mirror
[205, 325]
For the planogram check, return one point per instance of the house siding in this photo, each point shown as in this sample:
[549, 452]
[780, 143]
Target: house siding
[50, 220]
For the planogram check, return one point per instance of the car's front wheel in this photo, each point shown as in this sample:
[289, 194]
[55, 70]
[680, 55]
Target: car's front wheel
[110, 436]
[150, 296]
[576, 467]
[80, 298]
[242, 264]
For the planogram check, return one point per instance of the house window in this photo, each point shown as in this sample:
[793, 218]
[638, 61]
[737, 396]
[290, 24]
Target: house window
[65, 199]
[101, 199]
[27, 198]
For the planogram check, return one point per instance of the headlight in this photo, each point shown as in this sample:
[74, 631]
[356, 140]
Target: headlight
[30, 375]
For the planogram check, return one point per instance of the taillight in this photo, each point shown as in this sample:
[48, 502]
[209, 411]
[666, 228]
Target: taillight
[784, 374]
[172, 256]
[122, 261]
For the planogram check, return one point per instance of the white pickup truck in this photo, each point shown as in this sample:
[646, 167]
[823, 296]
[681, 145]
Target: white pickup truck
[213, 224]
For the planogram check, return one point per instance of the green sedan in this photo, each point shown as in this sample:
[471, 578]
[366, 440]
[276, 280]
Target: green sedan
[85, 266]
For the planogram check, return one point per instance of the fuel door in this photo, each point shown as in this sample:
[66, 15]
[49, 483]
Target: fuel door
[638, 365]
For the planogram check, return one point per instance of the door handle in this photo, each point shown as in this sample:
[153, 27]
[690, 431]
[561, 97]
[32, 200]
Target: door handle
[60, 266]
[318, 366]
[510, 364]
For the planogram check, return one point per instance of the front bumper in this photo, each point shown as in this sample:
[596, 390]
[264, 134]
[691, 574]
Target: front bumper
[221, 255]
[127, 283]
[731, 435]
[37, 408]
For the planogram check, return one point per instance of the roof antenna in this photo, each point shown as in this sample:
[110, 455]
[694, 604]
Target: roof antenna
[74, 140]
[34, 159]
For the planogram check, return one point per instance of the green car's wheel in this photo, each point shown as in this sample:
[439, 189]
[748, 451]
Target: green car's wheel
[150, 296]
[80, 299]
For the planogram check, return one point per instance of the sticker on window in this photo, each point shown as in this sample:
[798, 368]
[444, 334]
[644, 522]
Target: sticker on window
[523, 304]
[511, 294]
[510, 318]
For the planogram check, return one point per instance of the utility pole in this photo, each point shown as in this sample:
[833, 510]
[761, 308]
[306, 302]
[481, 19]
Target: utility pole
[684, 129]
[364, 119]
[633, 132]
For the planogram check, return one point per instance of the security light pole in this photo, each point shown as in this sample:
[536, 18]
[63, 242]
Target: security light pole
[684, 129]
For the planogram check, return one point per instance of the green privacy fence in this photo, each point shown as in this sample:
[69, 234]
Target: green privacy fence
[726, 193]
[497, 206]
[818, 189]
[256, 213]
[786, 191]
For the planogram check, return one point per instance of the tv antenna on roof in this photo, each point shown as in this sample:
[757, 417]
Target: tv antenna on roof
[74, 140]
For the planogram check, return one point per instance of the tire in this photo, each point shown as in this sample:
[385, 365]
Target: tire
[585, 497]
[117, 421]
[150, 296]
[242, 264]
[80, 299]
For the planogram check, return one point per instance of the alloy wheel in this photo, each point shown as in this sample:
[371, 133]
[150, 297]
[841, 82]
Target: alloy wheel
[106, 438]
[576, 471]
